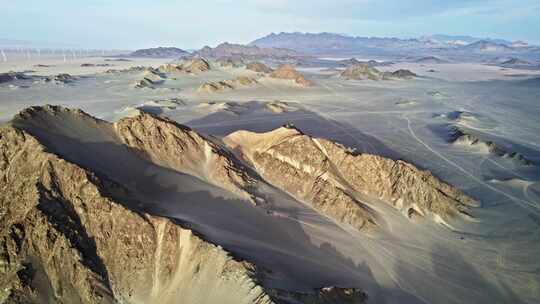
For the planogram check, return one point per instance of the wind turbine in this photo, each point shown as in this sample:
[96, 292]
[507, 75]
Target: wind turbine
[4, 57]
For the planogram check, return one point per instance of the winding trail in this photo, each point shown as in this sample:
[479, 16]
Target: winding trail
[521, 202]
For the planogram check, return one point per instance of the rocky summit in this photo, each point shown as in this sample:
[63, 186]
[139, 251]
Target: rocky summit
[363, 71]
[333, 178]
[288, 72]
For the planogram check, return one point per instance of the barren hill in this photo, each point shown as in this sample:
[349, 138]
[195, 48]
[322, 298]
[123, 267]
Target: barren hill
[99, 212]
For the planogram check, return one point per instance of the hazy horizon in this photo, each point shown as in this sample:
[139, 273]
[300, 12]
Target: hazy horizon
[194, 24]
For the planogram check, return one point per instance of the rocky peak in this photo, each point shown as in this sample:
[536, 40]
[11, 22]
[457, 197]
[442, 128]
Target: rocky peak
[287, 71]
[334, 179]
[259, 67]
[361, 71]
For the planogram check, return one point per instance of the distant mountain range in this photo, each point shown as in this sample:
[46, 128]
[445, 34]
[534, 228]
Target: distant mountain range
[461, 39]
[246, 51]
[330, 43]
[160, 52]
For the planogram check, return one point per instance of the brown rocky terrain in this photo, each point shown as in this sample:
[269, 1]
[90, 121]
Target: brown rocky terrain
[72, 235]
[259, 67]
[287, 71]
[60, 78]
[230, 62]
[144, 83]
[193, 66]
[231, 84]
[459, 135]
[363, 71]
[279, 106]
[329, 176]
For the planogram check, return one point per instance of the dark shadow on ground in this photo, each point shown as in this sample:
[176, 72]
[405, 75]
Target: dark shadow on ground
[254, 116]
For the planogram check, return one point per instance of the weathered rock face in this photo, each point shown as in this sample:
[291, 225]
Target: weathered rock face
[232, 84]
[259, 67]
[280, 106]
[361, 72]
[401, 74]
[230, 62]
[170, 68]
[144, 83]
[214, 86]
[153, 75]
[63, 239]
[459, 135]
[171, 145]
[197, 65]
[328, 175]
[287, 71]
[294, 162]
[194, 66]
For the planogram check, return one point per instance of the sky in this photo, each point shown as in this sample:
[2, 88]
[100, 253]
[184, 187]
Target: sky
[191, 24]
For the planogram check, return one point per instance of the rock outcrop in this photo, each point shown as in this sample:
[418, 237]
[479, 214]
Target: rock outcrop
[177, 147]
[430, 60]
[361, 72]
[215, 86]
[329, 176]
[459, 135]
[287, 71]
[197, 65]
[401, 74]
[259, 67]
[60, 78]
[144, 83]
[230, 62]
[279, 107]
[364, 71]
[154, 75]
[160, 52]
[193, 66]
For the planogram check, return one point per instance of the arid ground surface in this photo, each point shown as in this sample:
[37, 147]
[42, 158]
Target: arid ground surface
[491, 256]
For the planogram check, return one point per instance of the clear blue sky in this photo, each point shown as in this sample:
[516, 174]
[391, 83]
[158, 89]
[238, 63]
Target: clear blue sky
[192, 24]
